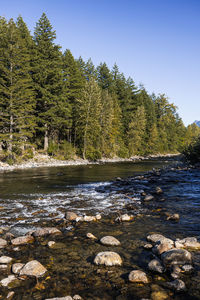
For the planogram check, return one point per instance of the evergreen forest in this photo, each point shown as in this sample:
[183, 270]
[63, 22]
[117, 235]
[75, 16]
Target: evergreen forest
[52, 103]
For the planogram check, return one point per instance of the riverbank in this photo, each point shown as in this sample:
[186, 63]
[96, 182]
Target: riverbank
[41, 160]
[136, 264]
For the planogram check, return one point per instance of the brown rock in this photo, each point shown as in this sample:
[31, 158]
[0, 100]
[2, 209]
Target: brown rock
[21, 240]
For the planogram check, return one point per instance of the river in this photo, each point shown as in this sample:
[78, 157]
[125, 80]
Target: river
[33, 198]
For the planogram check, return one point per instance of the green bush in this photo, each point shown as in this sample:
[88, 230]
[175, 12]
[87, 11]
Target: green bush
[92, 154]
[63, 151]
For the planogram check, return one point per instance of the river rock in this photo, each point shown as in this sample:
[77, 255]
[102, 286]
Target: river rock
[158, 293]
[187, 268]
[109, 241]
[176, 257]
[91, 236]
[21, 240]
[3, 267]
[10, 295]
[173, 217]
[148, 246]
[89, 218]
[161, 247]
[70, 216]
[51, 244]
[108, 258]
[158, 190]
[11, 279]
[177, 285]
[189, 242]
[98, 217]
[155, 265]
[5, 259]
[124, 218]
[3, 243]
[138, 276]
[46, 231]
[77, 297]
[148, 198]
[61, 298]
[33, 268]
[16, 268]
[156, 237]
[176, 270]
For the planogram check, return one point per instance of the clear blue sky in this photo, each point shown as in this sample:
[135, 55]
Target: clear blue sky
[156, 42]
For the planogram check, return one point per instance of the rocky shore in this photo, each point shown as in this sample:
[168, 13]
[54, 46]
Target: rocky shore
[101, 256]
[41, 160]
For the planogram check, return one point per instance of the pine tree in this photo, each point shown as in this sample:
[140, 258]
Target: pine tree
[73, 83]
[16, 92]
[88, 126]
[136, 132]
[48, 78]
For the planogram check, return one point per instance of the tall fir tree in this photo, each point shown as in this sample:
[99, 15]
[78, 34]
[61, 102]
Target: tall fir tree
[48, 78]
[16, 93]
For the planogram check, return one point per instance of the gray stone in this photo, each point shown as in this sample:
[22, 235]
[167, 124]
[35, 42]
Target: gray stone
[177, 285]
[177, 257]
[124, 218]
[108, 258]
[33, 268]
[156, 237]
[46, 231]
[109, 241]
[138, 276]
[155, 265]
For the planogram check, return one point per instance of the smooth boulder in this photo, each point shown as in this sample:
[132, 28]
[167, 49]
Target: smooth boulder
[108, 258]
[33, 268]
[138, 276]
[109, 241]
[155, 265]
[176, 257]
[21, 240]
[3, 243]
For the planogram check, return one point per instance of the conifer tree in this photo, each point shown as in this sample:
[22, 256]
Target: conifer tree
[47, 74]
[88, 126]
[16, 92]
[136, 132]
[73, 83]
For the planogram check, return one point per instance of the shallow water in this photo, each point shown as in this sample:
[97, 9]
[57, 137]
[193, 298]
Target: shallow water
[38, 196]
[30, 196]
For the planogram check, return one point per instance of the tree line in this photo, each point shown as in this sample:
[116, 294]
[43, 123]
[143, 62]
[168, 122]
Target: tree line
[52, 102]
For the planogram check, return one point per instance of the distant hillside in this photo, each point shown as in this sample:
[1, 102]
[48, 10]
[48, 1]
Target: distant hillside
[197, 122]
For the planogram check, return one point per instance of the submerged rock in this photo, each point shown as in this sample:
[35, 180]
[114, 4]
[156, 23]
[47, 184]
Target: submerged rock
[138, 276]
[45, 231]
[3, 243]
[155, 265]
[22, 240]
[161, 247]
[156, 237]
[124, 218]
[177, 285]
[33, 268]
[10, 282]
[158, 190]
[16, 268]
[108, 258]
[70, 216]
[5, 259]
[91, 236]
[176, 257]
[109, 241]
[148, 198]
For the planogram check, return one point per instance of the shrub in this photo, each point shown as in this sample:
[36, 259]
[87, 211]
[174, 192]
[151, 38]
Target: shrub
[192, 152]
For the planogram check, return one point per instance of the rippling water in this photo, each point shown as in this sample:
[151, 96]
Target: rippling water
[30, 196]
